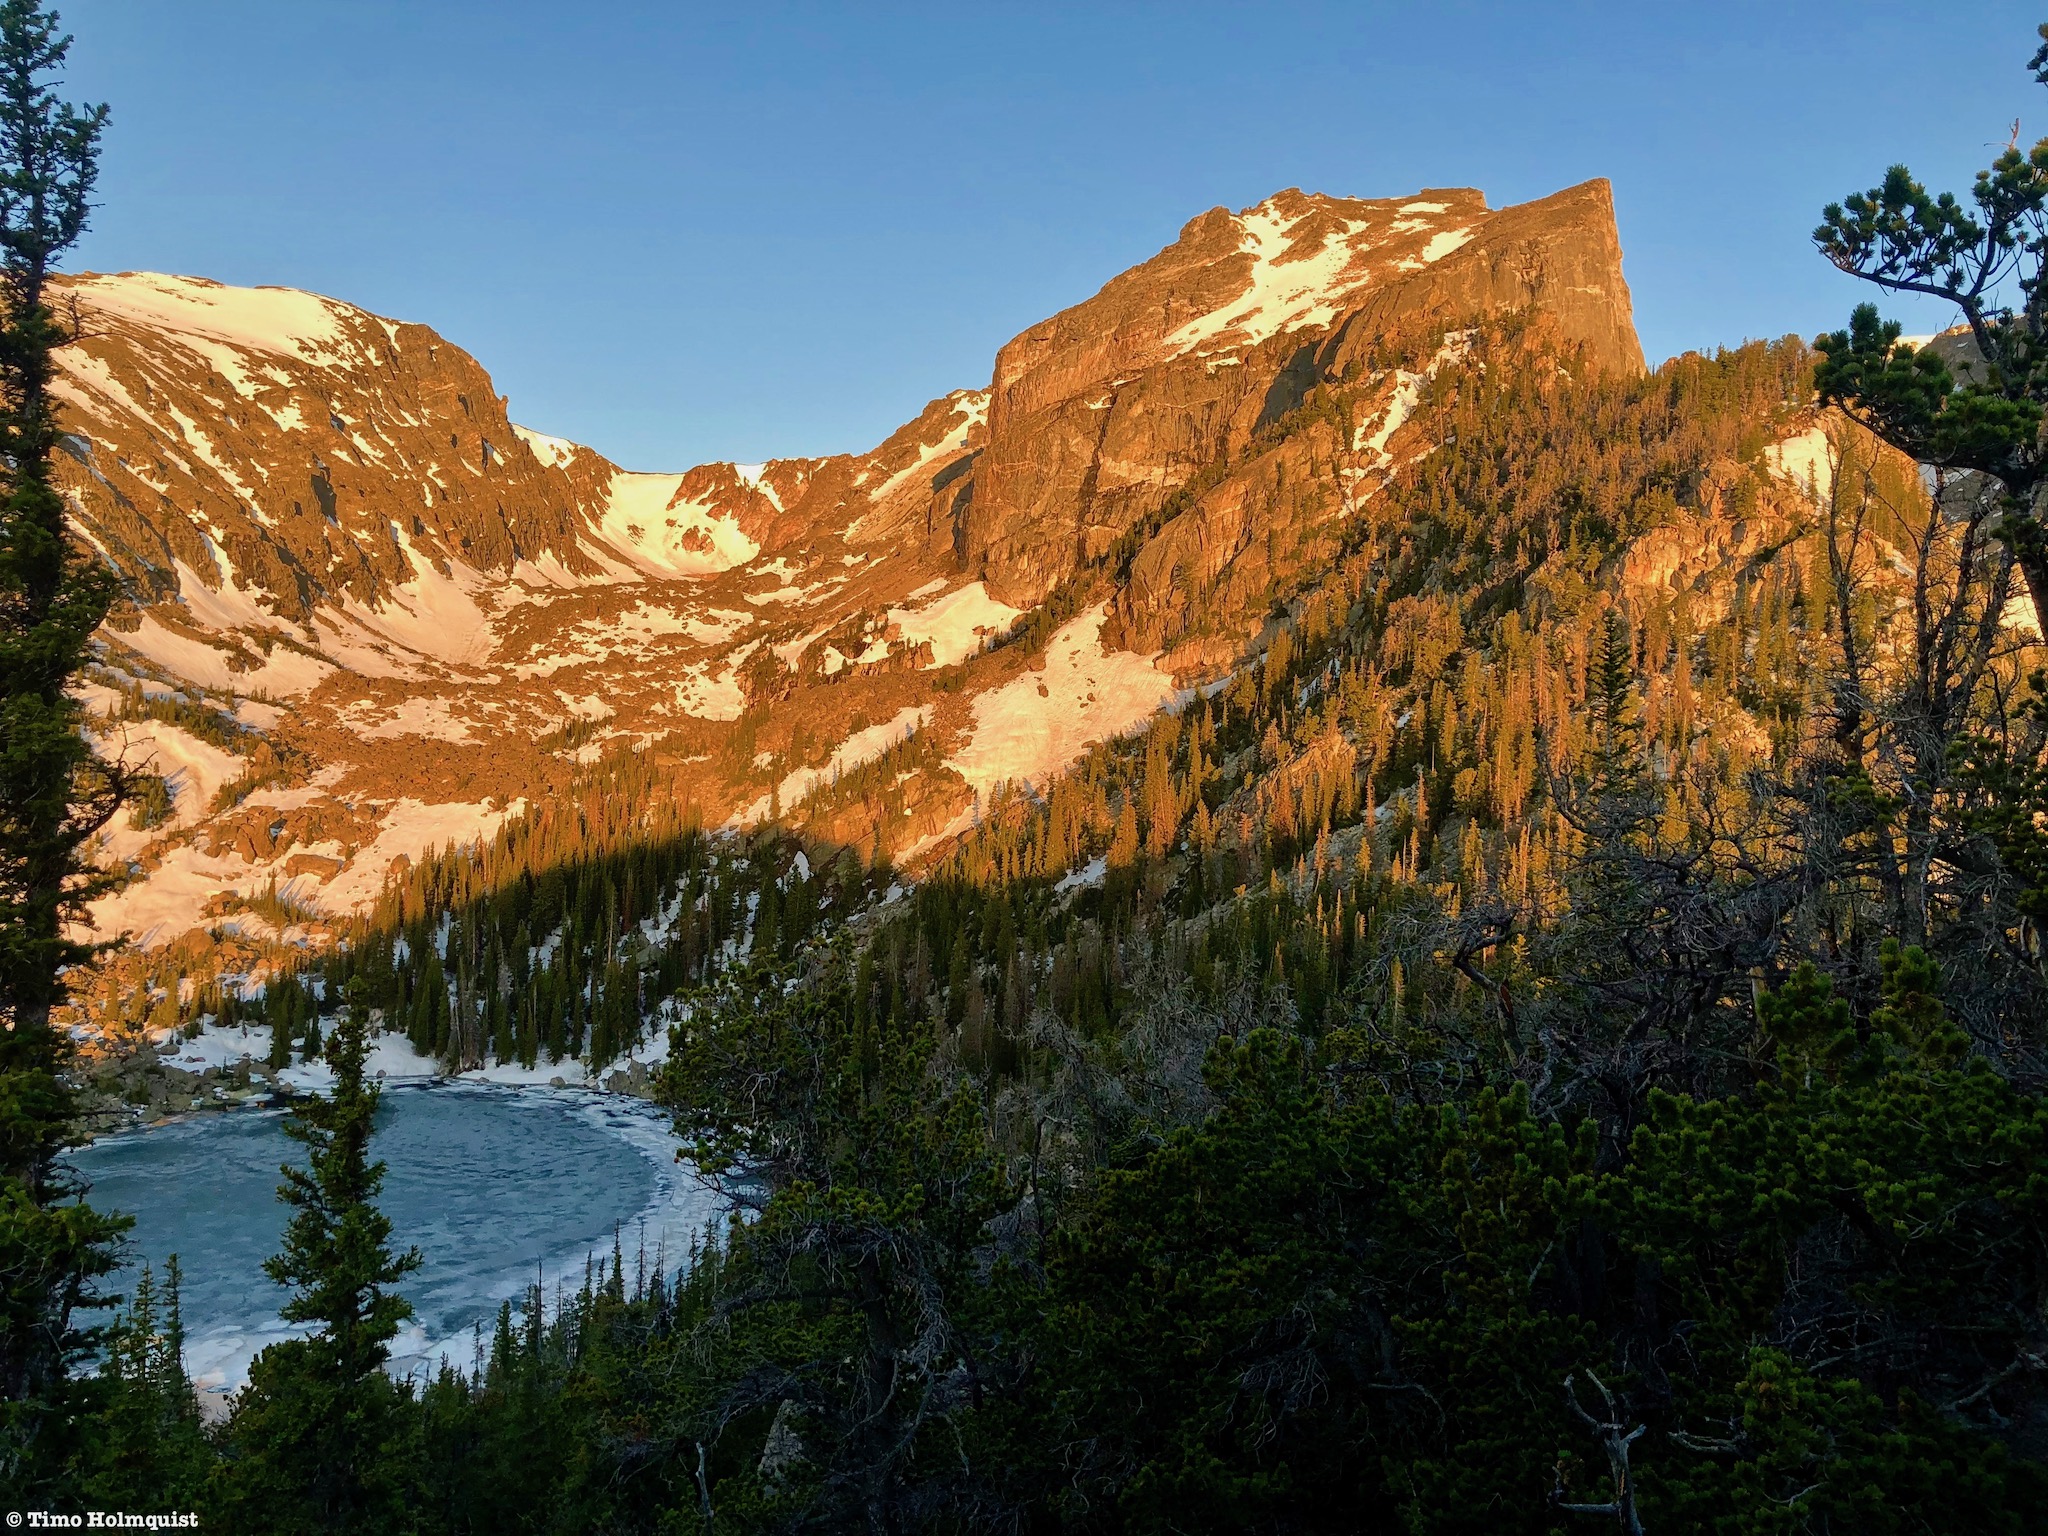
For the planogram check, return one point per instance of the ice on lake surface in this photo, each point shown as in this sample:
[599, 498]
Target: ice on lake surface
[495, 1186]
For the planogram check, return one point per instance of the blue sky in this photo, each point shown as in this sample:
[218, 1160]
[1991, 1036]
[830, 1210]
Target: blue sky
[683, 232]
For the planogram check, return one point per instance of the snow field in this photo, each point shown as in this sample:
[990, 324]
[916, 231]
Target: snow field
[279, 320]
[1292, 286]
[411, 827]
[552, 451]
[284, 671]
[1808, 460]
[1033, 726]
[957, 624]
[970, 409]
[645, 525]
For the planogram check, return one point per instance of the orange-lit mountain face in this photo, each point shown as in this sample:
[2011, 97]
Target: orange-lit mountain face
[405, 616]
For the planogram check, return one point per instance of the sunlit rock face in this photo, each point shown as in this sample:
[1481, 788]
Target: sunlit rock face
[412, 617]
[1097, 415]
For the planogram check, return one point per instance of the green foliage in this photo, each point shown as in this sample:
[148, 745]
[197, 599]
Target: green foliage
[856, 1298]
[1909, 399]
[320, 1440]
[1858, 1241]
[267, 766]
[213, 726]
[148, 1450]
[150, 805]
[2008, 785]
[1312, 1309]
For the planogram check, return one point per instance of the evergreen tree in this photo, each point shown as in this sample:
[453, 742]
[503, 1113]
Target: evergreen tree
[526, 1036]
[280, 1040]
[1613, 678]
[498, 1012]
[54, 792]
[148, 1452]
[1916, 1172]
[319, 1441]
[429, 1004]
[1904, 239]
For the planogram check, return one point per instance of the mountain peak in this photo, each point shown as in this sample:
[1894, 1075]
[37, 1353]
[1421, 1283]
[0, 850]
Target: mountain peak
[1099, 412]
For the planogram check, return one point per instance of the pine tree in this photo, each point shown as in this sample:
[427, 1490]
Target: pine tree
[319, 1439]
[148, 1451]
[280, 1040]
[1903, 239]
[54, 792]
[1123, 845]
[1610, 685]
[430, 1005]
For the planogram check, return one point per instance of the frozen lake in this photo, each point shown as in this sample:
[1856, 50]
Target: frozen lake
[493, 1185]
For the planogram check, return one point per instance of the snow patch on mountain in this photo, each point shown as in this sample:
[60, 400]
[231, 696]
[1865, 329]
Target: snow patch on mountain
[958, 625]
[752, 477]
[284, 671]
[711, 690]
[227, 606]
[204, 449]
[1407, 394]
[1089, 874]
[90, 385]
[1302, 278]
[285, 321]
[970, 410]
[155, 910]
[553, 451]
[1808, 459]
[1035, 725]
[434, 617]
[192, 770]
[1441, 245]
[1309, 265]
[647, 524]
[1290, 286]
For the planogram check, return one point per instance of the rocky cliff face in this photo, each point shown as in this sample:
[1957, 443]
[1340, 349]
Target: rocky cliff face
[1099, 414]
[396, 600]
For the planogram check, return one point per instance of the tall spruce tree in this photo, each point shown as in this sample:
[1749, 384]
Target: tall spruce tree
[318, 1442]
[54, 793]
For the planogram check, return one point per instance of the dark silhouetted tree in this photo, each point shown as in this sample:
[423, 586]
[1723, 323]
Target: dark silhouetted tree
[54, 792]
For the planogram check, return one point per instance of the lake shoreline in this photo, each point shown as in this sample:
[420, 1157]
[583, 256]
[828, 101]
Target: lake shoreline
[180, 1078]
[503, 1186]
